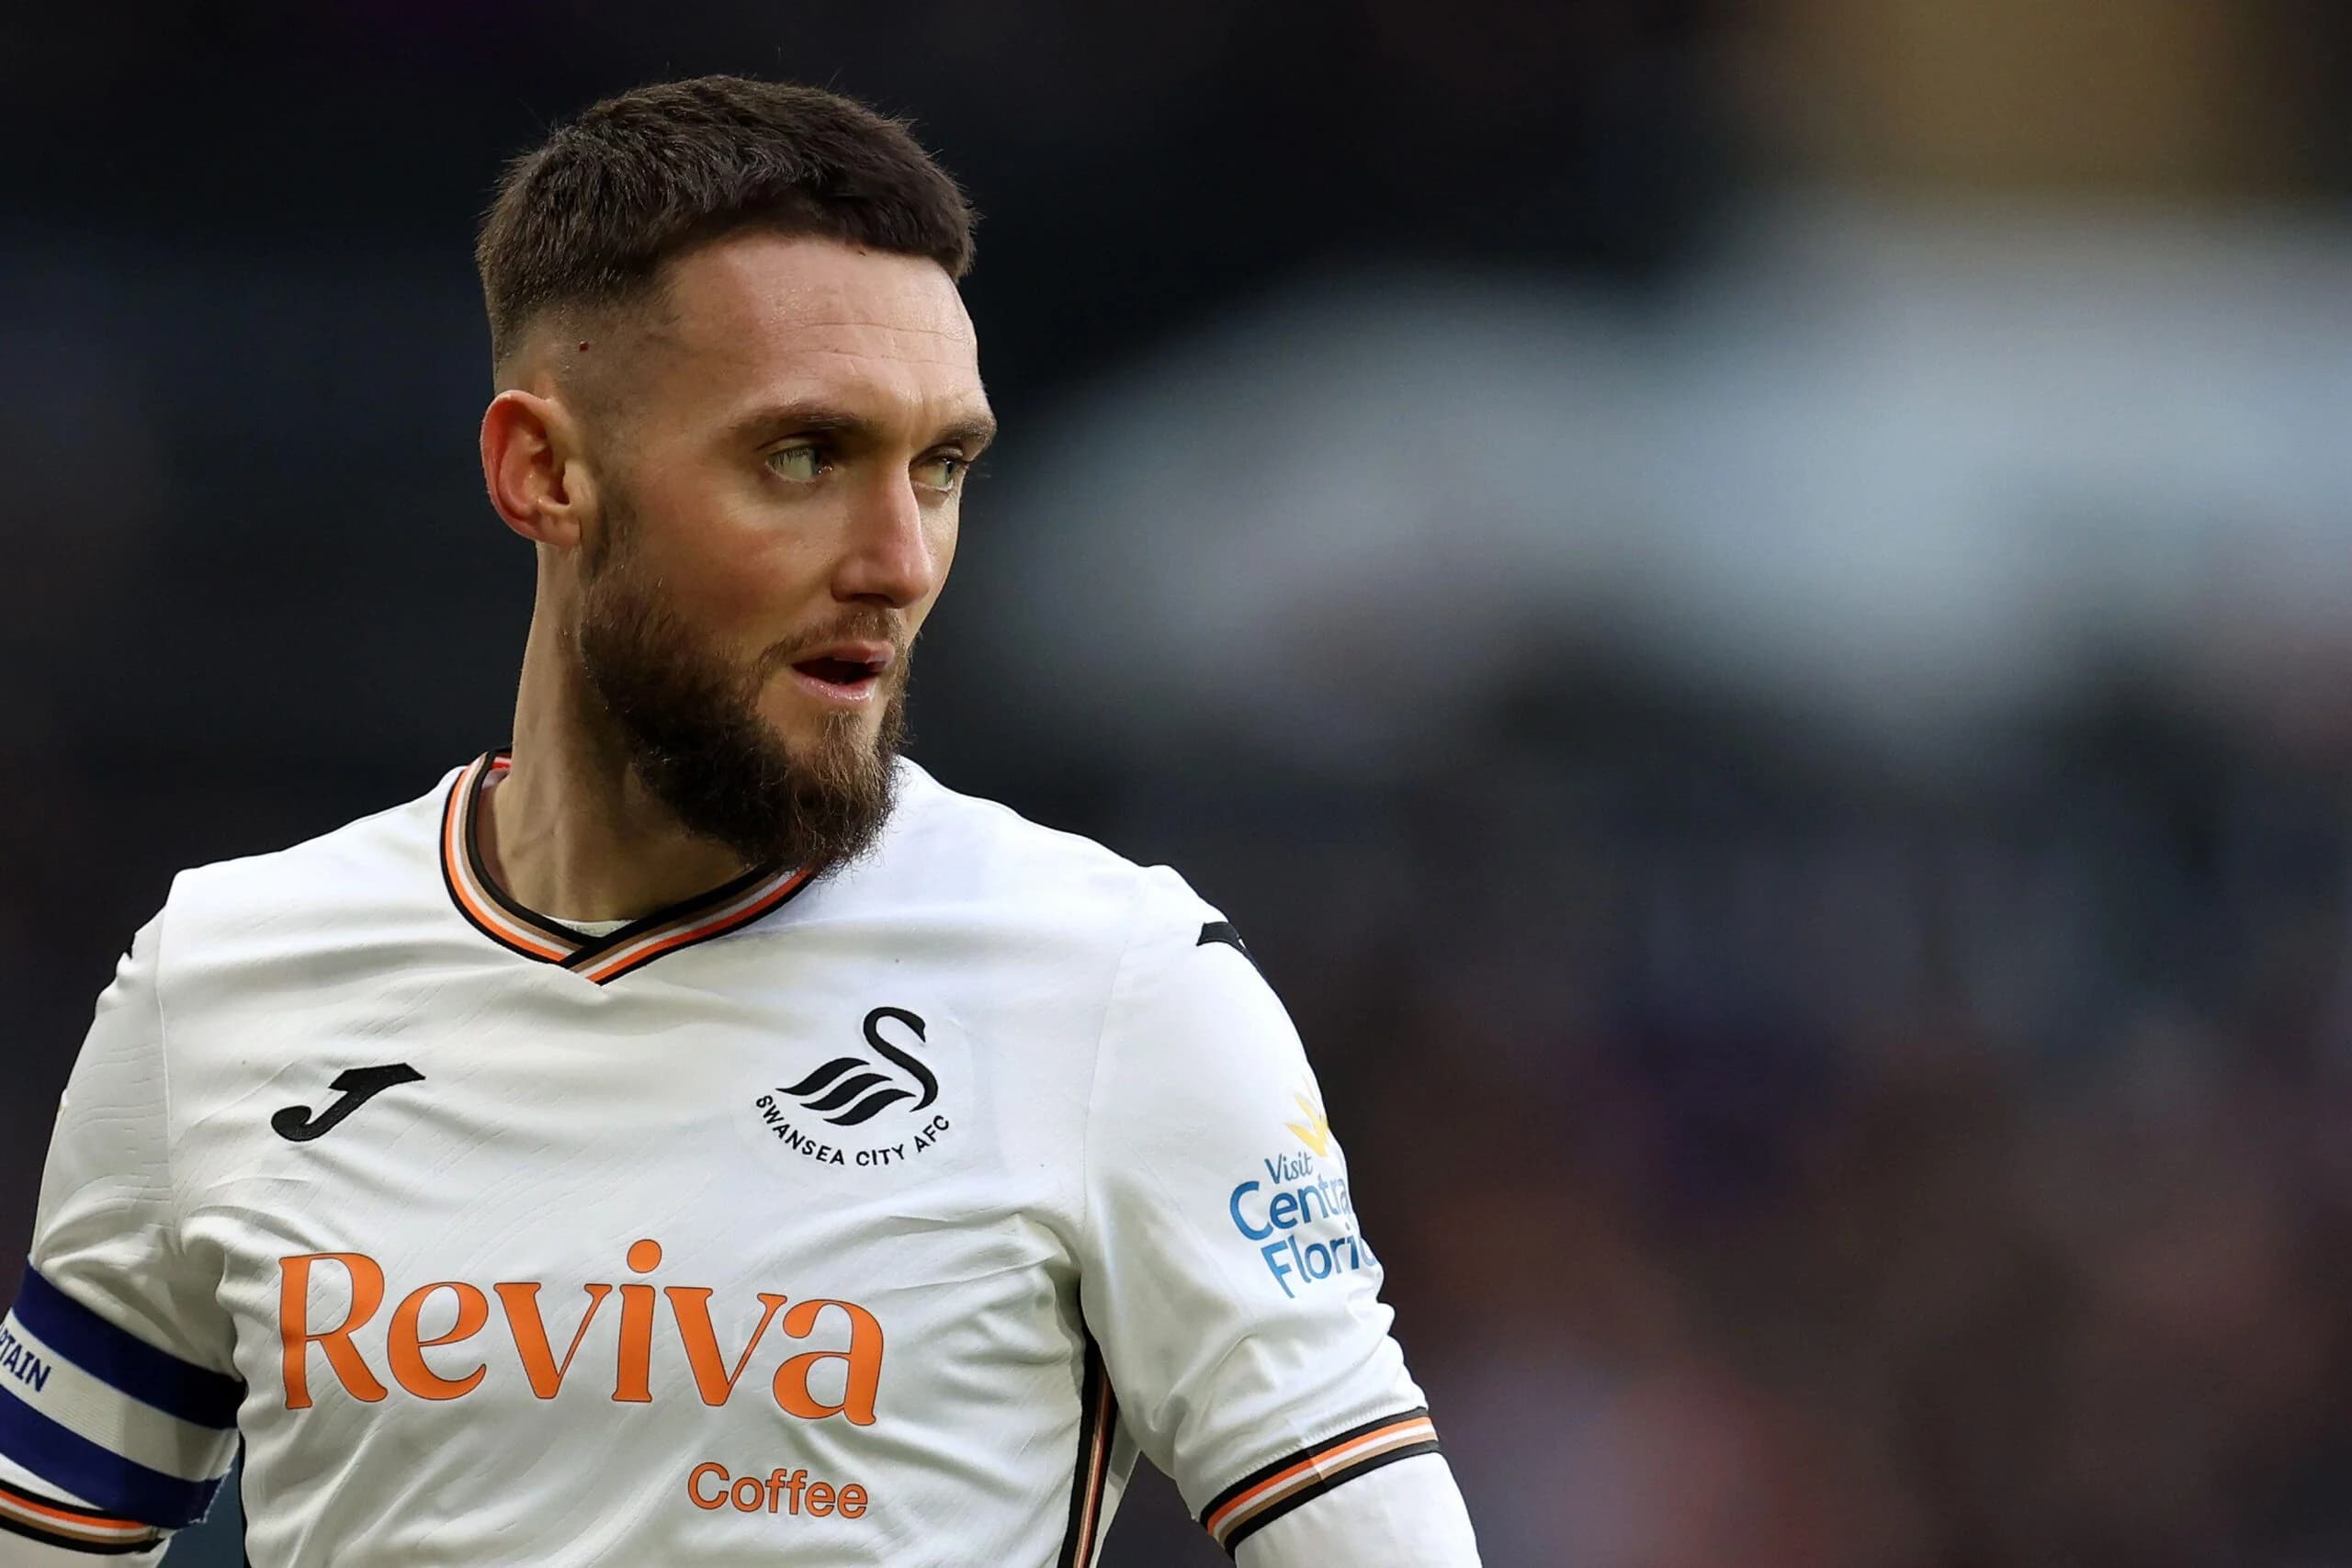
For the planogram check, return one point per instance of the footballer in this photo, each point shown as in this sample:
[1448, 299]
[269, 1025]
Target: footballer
[690, 1134]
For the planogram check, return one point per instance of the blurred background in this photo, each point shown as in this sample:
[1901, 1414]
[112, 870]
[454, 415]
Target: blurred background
[1749, 606]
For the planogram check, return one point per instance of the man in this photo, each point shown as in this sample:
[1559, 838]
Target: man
[693, 1134]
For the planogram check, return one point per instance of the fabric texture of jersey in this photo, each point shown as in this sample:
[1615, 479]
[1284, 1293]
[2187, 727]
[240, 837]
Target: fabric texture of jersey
[880, 1217]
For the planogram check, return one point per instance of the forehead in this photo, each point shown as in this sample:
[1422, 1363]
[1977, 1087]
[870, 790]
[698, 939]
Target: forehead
[767, 318]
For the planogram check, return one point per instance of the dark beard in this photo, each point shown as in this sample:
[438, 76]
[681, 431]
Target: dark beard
[691, 726]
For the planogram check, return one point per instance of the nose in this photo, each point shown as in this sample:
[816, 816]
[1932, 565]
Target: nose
[889, 556]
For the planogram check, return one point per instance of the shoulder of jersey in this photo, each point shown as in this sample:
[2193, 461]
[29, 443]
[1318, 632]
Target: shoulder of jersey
[946, 846]
[375, 871]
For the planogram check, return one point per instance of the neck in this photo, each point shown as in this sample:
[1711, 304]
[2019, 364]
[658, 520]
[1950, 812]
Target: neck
[570, 831]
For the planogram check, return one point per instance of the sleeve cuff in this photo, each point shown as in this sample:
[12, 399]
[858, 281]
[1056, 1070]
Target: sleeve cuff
[1268, 1492]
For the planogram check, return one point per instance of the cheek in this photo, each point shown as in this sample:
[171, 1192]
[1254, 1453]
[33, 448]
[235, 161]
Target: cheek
[721, 561]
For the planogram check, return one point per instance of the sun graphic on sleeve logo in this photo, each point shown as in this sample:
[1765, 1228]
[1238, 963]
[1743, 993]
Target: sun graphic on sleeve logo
[1314, 1131]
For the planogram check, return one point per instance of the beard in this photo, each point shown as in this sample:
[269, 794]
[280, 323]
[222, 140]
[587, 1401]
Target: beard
[689, 722]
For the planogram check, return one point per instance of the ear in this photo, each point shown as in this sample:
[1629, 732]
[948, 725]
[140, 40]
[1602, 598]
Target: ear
[531, 460]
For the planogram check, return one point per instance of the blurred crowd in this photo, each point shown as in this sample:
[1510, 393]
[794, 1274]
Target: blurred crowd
[1746, 605]
[1776, 1172]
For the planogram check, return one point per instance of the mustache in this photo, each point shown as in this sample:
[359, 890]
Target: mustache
[862, 625]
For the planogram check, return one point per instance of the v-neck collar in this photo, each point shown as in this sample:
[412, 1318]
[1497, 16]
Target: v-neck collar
[601, 959]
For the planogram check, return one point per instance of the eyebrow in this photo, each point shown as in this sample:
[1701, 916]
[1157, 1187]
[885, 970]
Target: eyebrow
[818, 418]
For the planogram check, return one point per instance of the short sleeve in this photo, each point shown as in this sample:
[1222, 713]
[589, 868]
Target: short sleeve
[118, 1412]
[1227, 1278]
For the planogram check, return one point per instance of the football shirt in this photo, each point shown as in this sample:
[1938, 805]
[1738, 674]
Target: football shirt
[879, 1217]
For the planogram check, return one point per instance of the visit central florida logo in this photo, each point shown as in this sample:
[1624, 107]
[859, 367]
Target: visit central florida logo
[1299, 1216]
[878, 1097]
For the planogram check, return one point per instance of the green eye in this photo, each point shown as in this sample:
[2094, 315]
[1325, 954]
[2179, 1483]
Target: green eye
[940, 472]
[802, 465]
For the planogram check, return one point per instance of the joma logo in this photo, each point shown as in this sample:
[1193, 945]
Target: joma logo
[404, 1343]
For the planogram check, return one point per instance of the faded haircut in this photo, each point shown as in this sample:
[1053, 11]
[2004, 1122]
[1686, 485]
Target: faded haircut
[588, 219]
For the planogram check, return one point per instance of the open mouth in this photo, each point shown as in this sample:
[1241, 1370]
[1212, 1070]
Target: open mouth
[843, 672]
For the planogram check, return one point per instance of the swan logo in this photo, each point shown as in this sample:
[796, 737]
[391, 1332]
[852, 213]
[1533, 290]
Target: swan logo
[891, 1080]
[849, 1092]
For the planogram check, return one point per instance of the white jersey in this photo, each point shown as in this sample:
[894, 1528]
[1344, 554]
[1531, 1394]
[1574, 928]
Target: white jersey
[877, 1218]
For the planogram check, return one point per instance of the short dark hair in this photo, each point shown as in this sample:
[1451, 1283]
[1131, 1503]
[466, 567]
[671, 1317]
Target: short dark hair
[588, 217]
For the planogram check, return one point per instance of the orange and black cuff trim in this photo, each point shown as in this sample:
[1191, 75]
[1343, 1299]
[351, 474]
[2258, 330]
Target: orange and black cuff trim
[601, 959]
[1097, 1423]
[52, 1521]
[1265, 1495]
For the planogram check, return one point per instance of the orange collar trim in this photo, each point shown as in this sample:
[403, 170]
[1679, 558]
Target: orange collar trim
[598, 958]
